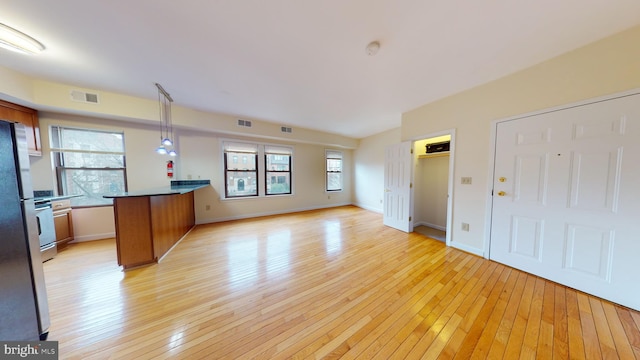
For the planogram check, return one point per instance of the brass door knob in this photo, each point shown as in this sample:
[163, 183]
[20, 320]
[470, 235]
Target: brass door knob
[501, 193]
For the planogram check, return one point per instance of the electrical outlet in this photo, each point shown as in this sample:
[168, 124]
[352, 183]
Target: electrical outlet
[465, 180]
[465, 227]
[207, 207]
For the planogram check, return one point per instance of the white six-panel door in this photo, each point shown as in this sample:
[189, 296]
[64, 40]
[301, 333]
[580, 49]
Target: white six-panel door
[397, 186]
[566, 201]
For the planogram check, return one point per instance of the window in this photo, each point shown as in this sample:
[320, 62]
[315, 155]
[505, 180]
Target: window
[334, 170]
[256, 170]
[278, 170]
[89, 162]
[241, 178]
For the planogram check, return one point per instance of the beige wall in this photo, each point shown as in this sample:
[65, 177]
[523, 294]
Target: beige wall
[605, 67]
[55, 97]
[369, 169]
[200, 157]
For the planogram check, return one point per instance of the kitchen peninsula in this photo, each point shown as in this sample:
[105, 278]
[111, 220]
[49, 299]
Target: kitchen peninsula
[150, 222]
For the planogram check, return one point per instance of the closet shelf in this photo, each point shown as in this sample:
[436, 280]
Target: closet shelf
[432, 155]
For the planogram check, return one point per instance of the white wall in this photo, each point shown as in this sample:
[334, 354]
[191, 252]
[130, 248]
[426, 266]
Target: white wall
[605, 67]
[369, 169]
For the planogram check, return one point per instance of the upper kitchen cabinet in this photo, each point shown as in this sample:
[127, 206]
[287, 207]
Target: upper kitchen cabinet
[28, 117]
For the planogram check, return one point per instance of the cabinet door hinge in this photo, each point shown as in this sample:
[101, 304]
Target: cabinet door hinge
[409, 218]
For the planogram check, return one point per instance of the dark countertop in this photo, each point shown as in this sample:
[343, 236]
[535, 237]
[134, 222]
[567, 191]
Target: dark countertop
[177, 187]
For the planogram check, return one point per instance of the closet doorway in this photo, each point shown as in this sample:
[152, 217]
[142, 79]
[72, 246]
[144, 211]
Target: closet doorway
[433, 186]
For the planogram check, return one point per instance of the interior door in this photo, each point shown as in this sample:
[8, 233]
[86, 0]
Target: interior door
[566, 197]
[397, 186]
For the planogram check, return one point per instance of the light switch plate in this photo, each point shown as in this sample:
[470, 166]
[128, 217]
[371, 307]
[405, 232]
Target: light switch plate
[466, 180]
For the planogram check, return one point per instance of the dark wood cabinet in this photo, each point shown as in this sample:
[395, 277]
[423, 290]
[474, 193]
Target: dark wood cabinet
[28, 117]
[63, 222]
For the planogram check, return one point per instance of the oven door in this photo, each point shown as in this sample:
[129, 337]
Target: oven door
[46, 232]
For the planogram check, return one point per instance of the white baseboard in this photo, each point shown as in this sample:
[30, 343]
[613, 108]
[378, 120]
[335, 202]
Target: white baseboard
[94, 237]
[268, 213]
[370, 208]
[467, 248]
[424, 223]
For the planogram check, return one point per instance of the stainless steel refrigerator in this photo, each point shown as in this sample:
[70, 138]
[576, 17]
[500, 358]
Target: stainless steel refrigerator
[24, 311]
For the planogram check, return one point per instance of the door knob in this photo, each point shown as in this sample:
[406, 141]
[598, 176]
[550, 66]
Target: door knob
[501, 193]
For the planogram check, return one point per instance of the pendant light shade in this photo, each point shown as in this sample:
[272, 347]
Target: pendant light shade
[166, 126]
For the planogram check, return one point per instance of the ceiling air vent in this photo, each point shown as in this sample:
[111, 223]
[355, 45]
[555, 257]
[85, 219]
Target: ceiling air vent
[245, 123]
[85, 97]
[285, 129]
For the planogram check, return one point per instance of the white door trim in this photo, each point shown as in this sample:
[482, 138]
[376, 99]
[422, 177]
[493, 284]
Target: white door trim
[492, 150]
[452, 156]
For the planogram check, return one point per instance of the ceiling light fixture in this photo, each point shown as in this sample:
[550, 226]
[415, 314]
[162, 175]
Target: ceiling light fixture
[372, 48]
[15, 40]
[166, 126]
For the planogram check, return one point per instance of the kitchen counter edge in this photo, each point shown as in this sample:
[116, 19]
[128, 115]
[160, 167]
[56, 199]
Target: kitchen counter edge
[177, 187]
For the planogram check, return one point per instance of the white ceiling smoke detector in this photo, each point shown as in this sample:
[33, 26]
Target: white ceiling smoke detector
[372, 48]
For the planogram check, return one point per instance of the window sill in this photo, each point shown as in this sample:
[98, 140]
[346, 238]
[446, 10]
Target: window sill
[260, 197]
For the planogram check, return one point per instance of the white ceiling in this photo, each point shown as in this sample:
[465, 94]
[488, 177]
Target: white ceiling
[302, 63]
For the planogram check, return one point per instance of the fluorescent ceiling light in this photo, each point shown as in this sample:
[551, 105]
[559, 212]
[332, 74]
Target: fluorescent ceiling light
[18, 41]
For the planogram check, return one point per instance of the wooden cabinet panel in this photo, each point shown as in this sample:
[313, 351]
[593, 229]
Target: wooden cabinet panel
[28, 117]
[63, 221]
[147, 227]
[64, 227]
[133, 231]
[171, 219]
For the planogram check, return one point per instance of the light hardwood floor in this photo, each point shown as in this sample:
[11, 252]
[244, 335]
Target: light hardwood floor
[332, 283]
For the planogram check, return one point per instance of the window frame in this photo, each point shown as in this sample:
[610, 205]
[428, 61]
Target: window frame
[339, 155]
[261, 168]
[277, 151]
[58, 160]
[228, 150]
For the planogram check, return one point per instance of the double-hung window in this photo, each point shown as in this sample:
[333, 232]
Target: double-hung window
[89, 162]
[240, 169]
[256, 170]
[278, 170]
[334, 170]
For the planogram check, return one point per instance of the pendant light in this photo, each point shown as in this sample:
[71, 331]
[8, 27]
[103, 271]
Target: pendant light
[166, 125]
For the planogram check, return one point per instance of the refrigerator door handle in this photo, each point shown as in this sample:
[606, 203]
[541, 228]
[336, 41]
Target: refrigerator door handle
[39, 228]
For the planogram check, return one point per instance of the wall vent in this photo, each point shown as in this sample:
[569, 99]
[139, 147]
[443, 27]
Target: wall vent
[286, 129]
[85, 97]
[245, 123]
